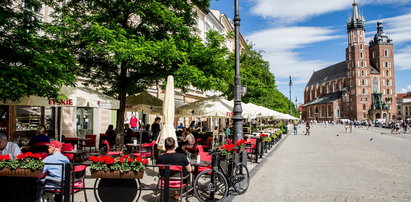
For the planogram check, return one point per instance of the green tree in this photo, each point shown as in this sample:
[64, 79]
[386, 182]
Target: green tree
[260, 82]
[30, 63]
[124, 47]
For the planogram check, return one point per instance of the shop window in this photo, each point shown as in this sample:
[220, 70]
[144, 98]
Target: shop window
[84, 121]
[27, 118]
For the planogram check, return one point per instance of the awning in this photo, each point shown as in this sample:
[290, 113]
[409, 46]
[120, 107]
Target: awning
[76, 97]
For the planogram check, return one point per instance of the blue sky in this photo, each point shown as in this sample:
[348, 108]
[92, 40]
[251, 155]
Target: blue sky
[302, 36]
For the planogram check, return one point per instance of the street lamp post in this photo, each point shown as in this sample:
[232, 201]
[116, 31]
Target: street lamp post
[290, 84]
[237, 118]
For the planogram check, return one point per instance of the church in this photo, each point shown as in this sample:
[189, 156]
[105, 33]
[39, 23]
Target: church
[360, 88]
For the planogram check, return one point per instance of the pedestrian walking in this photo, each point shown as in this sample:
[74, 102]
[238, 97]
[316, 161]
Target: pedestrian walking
[295, 128]
[351, 126]
[307, 128]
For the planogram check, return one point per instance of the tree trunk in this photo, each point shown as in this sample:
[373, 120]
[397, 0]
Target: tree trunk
[121, 111]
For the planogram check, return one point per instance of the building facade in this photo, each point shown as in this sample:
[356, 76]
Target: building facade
[361, 87]
[404, 106]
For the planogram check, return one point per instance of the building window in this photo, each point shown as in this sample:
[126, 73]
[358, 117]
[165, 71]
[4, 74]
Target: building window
[361, 55]
[387, 73]
[361, 46]
[386, 64]
[363, 92]
[364, 107]
[338, 113]
[386, 53]
[364, 116]
[84, 123]
[363, 82]
[373, 54]
[316, 109]
[362, 72]
[366, 99]
[388, 82]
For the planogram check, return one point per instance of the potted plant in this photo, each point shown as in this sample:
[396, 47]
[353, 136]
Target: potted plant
[124, 167]
[226, 149]
[25, 165]
[240, 146]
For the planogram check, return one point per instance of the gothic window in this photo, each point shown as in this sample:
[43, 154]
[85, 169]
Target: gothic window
[355, 38]
[375, 85]
[364, 107]
[361, 54]
[386, 53]
[362, 72]
[386, 64]
[362, 63]
[387, 73]
[316, 109]
[388, 82]
[363, 82]
[338, 113]
[361, 46]
[366, 99]
[363, 92]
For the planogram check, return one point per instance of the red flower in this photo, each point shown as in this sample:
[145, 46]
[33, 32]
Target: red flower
[139, 159]
[121, 159]
[94, 159]
[29, 154]
[37, 156]
[110, 161]
[239, 143]
[228, 147]
[145, 161]
[125, 156]
[130, 160]
[5, 157]
[102, 159]
[21, 156]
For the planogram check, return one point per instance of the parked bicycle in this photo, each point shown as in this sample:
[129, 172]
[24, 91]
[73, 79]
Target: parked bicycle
[214, 184]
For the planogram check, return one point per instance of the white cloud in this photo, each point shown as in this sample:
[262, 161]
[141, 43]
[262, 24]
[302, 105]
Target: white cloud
[402, 58]
[288, 11]
[406, 89]
[280, 45]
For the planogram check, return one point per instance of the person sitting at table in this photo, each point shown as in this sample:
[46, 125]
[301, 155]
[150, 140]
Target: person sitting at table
[111, 135]
[170, 157]
[189, 140]
[180, 127]
[8, 148]
[38, 143]
[53, 173]
[128, 133]
[146, 134]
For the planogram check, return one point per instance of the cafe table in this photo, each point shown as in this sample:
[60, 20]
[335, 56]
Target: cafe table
[193, 162]
[82, 141]
[78, 154]
[133, 146]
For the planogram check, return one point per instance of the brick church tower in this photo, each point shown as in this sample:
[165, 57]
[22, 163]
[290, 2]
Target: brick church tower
[370, 71]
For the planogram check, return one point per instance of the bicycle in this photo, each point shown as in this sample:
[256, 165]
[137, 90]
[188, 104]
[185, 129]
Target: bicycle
[214, 184]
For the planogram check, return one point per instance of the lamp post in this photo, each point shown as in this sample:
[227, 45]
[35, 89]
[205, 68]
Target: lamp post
[290, 84]
[237, 118]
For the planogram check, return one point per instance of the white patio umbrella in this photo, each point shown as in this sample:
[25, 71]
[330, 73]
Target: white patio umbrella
[213, 106]
[168, 129]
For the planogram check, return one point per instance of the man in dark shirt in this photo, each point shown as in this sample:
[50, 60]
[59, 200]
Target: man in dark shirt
[173, 158]
[128, 133]
[155, 128]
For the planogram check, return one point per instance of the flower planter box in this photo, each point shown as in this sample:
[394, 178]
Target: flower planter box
[20, 172]
[117, 174]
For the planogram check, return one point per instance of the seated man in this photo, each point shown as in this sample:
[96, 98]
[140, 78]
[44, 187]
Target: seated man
[173, 158]
[53, 173]
[8, 148]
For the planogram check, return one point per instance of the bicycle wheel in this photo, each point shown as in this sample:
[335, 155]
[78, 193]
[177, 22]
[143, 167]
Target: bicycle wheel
[241, 178]
[210, 186]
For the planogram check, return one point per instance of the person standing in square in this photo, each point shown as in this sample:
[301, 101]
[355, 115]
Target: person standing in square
[134, 122]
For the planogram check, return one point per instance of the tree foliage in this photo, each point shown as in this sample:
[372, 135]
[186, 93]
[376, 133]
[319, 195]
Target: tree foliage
[124, 47]
[260, 82]
[30, 62]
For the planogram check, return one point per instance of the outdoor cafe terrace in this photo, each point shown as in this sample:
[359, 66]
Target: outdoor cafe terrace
[129, 172]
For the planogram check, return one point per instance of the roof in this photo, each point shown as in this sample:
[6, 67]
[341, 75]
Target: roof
[325, 98]
[332, 72]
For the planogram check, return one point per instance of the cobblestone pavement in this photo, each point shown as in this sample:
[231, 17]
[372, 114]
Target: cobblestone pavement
[331, 165]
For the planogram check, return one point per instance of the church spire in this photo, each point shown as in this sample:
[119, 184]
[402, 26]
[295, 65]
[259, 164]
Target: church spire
[356, 21]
